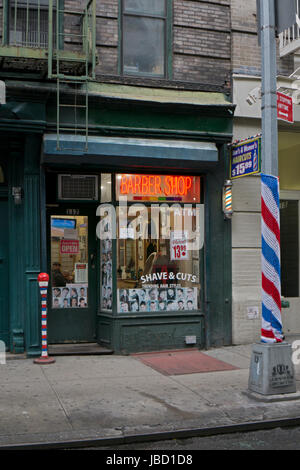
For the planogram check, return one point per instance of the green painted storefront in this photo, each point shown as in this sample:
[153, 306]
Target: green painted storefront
[32, 162]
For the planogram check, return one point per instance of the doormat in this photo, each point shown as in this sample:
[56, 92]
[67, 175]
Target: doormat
[182, 362]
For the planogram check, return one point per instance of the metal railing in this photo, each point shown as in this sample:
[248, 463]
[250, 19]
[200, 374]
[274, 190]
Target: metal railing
[44, 24]
[25, 23]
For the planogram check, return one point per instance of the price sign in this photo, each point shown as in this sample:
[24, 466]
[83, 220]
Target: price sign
[245, 158]
[178, 246]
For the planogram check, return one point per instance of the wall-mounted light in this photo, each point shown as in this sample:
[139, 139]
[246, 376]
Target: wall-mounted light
[227, 199]
[17, 195]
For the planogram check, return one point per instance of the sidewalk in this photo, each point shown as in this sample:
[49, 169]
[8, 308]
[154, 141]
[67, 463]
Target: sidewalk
[82, 397]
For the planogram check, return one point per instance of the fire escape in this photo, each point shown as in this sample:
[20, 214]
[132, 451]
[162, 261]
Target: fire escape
[41, 36]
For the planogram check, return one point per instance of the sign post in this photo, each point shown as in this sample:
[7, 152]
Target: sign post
[271, 359]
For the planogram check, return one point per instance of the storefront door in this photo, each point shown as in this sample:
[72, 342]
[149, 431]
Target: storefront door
[290, 258]
[4, 317]
[72, 251]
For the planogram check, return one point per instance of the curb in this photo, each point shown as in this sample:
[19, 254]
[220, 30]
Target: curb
[159, 436]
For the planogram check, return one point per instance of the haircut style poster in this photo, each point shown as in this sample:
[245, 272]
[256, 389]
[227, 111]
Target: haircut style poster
[70, 296]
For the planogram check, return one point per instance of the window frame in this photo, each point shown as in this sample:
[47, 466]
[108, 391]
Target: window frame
[168, 42]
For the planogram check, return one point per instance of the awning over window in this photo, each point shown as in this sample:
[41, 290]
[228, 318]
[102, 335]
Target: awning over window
[118, 151]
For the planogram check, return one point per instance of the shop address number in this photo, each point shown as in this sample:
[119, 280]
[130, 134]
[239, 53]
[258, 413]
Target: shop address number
[73, 211]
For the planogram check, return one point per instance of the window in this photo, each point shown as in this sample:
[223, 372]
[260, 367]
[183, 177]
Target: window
[106, 275]
[28, 23]
[159, 245]
[145, 37]
[105, 188]
[158, 273]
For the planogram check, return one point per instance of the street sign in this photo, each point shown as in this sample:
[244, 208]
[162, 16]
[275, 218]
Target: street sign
[245, 158]
[285, 107]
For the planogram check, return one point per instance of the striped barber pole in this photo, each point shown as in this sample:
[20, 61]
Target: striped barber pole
[271, 331]
[228, 199]
[43, 292]
[255, 162]
[43, 280]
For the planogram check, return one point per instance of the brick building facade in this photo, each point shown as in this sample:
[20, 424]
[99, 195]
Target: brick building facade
[87, 104]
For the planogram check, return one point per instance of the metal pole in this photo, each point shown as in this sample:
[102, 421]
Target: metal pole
[263, 375]
[43, 280]
[269, 86]
[270, 218]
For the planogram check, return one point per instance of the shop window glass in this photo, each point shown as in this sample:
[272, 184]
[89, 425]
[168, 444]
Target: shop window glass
[160, 273]
[104, 233]
[106, 187]
[289, 238]
[159, 247]
[106, 275]
[69, 261]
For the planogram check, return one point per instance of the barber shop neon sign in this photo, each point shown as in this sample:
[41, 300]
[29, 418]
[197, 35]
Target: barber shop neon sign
[160, 187]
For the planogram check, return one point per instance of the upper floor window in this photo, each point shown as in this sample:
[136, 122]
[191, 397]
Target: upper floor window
[28, 23]
[145, 37]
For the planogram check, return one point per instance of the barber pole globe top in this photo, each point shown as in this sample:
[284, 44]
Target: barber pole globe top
[43, 277]
[271, 331]
[43, 280]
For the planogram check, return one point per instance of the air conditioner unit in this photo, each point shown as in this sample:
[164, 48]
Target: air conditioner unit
[78, 187]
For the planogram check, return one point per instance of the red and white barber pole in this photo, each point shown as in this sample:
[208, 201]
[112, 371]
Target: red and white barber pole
[271, 331]
[43, 280]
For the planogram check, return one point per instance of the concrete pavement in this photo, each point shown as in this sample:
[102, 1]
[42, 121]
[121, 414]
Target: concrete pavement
[90, 397]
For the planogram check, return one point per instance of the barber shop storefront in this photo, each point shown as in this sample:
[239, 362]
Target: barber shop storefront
[136, 256]
[139, 257]
[129, 224]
